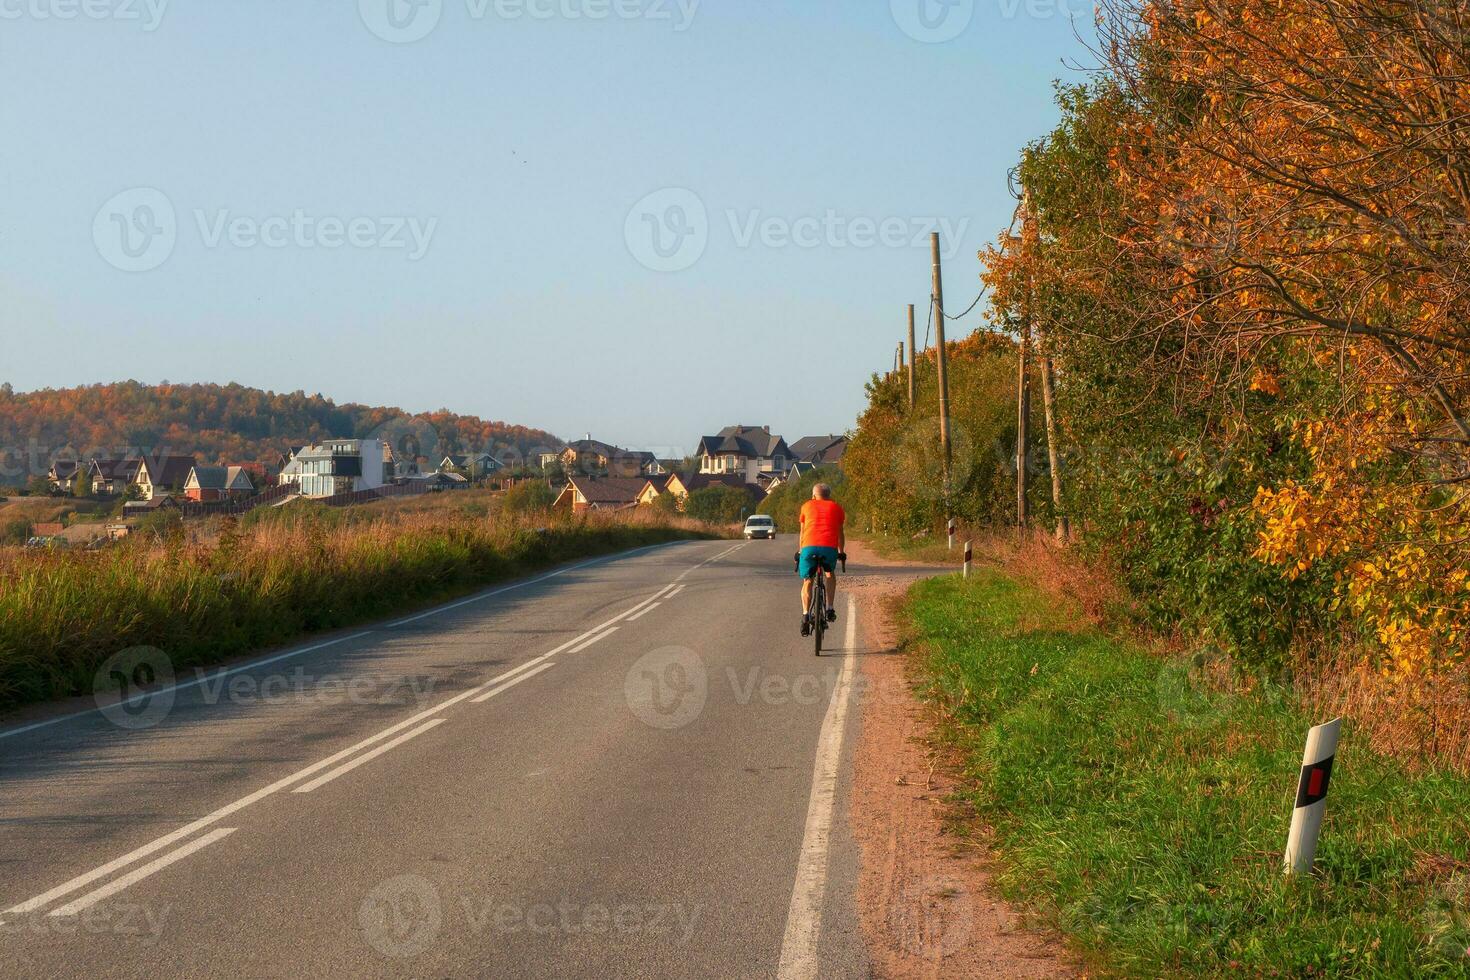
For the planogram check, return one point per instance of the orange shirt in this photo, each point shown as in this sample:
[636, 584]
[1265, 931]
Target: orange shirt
[821, 524]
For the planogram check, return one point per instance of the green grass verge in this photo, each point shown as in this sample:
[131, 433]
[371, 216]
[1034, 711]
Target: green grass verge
[1146, 818]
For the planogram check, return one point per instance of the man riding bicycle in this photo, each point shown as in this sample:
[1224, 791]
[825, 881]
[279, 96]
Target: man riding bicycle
[823, 541]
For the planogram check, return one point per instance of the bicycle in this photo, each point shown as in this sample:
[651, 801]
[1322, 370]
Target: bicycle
[817, 611]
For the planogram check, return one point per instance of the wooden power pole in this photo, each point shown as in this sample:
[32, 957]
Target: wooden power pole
[942, 359]
[1023, 390]
[913, 355]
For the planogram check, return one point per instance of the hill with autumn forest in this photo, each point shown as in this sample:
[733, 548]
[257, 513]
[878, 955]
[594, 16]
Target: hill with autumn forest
[225, 424]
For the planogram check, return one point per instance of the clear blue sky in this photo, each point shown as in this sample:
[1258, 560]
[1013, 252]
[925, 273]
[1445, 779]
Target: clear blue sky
[516, 136]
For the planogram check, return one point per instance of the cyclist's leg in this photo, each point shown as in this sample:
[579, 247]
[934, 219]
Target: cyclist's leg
[806, 595]
[831, 591]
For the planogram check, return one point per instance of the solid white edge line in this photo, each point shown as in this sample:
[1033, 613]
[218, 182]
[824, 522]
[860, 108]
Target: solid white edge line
[643, 612]
[217, 675]
[800, 946]
[132, 878]
[367, 757]
[596, 639]
[510, 684]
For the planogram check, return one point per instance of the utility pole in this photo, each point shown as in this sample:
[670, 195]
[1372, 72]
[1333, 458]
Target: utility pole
[902, 362]
[1053, 448]
[913, 355]
[943, 360]
[1023, 388]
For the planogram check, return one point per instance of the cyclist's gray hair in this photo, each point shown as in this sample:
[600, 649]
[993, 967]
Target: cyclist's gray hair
[822, 492]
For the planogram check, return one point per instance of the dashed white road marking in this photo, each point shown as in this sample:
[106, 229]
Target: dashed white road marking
[367, 757]
[510, 684]
[708, 561]
[598, 638]
[643, 612]
[132, 878]
[804, 917]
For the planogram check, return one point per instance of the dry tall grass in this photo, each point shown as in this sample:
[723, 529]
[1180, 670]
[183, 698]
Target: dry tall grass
[204, 597]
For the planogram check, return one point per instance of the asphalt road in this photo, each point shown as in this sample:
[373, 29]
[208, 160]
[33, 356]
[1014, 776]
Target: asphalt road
[631, 767]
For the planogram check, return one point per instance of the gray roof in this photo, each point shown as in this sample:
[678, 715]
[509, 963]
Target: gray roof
[819, 449]
[754, 441]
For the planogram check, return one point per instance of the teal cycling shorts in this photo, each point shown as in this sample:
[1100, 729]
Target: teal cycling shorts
[811, 558]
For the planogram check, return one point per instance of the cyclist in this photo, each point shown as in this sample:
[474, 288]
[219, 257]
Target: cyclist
[823, 541]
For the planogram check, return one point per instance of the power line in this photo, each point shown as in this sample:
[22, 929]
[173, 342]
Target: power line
[970, 310]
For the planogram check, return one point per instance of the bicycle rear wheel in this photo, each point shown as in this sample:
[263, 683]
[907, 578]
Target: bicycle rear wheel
[819, 613]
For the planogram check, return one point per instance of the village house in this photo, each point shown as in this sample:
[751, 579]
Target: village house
[682, 486]
[337, 466]
[745, 451]
[584, 493]
[819, 450]
[63, 474]
[210, 484]
[476, 465]
[161, 475]
[113, 476]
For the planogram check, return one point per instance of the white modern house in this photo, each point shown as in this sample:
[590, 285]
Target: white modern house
[336, 466]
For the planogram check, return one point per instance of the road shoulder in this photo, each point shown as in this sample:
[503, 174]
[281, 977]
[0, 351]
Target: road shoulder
[925, 895]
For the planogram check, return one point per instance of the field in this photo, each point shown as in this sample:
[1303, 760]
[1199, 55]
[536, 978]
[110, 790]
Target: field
[202, 592]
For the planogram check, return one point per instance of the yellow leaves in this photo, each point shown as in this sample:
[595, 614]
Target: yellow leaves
[1265, 382]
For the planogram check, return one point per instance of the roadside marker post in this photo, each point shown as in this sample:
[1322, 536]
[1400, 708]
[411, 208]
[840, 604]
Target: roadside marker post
[969, 556]
[1311, 797]
[951, 534]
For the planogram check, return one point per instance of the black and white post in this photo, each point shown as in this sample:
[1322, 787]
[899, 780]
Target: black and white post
[951, 534]
[969, 556]
[1311, 797]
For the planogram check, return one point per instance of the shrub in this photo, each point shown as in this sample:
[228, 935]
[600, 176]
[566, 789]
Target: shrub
[15, 532]
[531, 497]
[718, 505]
